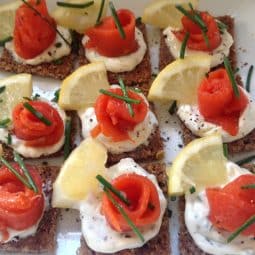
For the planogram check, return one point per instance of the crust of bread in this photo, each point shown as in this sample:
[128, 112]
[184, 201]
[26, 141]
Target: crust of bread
[45, 238]
[158, 245]
[141, 74]
[186, 244]
[8, 151]
[53, 70]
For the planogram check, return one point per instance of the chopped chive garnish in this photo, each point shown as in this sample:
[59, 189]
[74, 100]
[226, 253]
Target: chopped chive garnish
[46, 20]
[58, 61]
[172, 108]
[206, 39]
[37, 114]
[126, 99]
[124, 214]
[56, 96]
[67, 138]
[125, 94]
[191, 7]
[72, 5]
[245, 160]
[184, 44]
[5, 40]
[222, 26]
[4, 123]
[109, 186]
[192, 190]
[195, 18]
[249, 186]
[100, 12]
[35, 97]
[15, 172]
[9, 139]
[231, 76]
[248, 80]
[19, 160]
[117, 21]
[2, 89]
[225, 150]
[138, 20]
[237, 70]
[248, 223]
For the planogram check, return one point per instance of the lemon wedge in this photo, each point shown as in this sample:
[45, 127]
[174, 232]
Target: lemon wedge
[180, 80]
[162, 13]
[7, 21]
[81, 88]
[13, 90]
[79, 19]
[200, 164]
[77, 176]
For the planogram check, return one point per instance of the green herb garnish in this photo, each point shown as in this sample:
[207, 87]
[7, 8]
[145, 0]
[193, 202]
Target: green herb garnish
[138, 20]
[225, 150]
[222, 26]
[117, 21]
[67, 145]
[109, 186]
[245, 160]
[125, 94]
[124, 214]
[56, 96]
[248, 80]
[4, 123]
[249, 186]
[19, 160]
[248, 223]
[77, 6]
[231, 77]
[2, 89]
[35, 97]
[100, 12]
[9, 139]
[126, 99]
[58, 61]
[37, 114]
[206, 39]
[192, 190]
[5, 40]
[184, 44]
[173, 198]
[172, 108]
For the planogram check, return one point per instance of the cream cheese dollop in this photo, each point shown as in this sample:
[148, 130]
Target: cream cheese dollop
[195, 122]
[140, 135]
[20, 146]
[174, 46]
[98, 234]
[204, 234]
[56, 50]
[119, 64]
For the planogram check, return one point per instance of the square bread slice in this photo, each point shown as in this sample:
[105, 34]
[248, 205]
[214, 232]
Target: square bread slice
[57, 69]
[45, 238]
[141, 73]
[8, 151]
[158, 245]
[186, 244]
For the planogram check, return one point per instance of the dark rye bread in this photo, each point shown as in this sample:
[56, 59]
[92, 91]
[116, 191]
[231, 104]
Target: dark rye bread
[45, 238]
[8, 151]
[165, 56]
[141, 73]
[158, 245]
[186, 244]
[57, 69]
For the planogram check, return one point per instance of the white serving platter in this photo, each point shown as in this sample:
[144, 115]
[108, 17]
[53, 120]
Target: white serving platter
[68, 237]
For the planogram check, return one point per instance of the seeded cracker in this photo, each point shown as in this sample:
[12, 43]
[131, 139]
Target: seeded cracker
[141, 73]
[159, 245]
[186, 244]
[45, 238]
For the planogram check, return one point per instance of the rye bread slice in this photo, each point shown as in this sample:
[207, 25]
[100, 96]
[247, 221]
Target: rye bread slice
[57, 69]
[165, 56]
[8, 151]
[158, 245]
[141, 73]
[186, 244]
[45, 238]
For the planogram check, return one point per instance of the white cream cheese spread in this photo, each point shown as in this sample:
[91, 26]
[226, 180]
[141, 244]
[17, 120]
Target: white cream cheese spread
[204, 234]
[195, 122]
[56, 50]
[217, 54]
[97, 232]
[119, 64]
[140, 135]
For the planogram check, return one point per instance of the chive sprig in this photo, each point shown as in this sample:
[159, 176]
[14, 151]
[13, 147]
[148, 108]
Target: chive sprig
[248, 80]
[67, 146]
[225, 150]
[4, 123]
[245, 160]
[184, 44]
[5, 40]
[76, 6]
[248, 186]
[99, 16]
